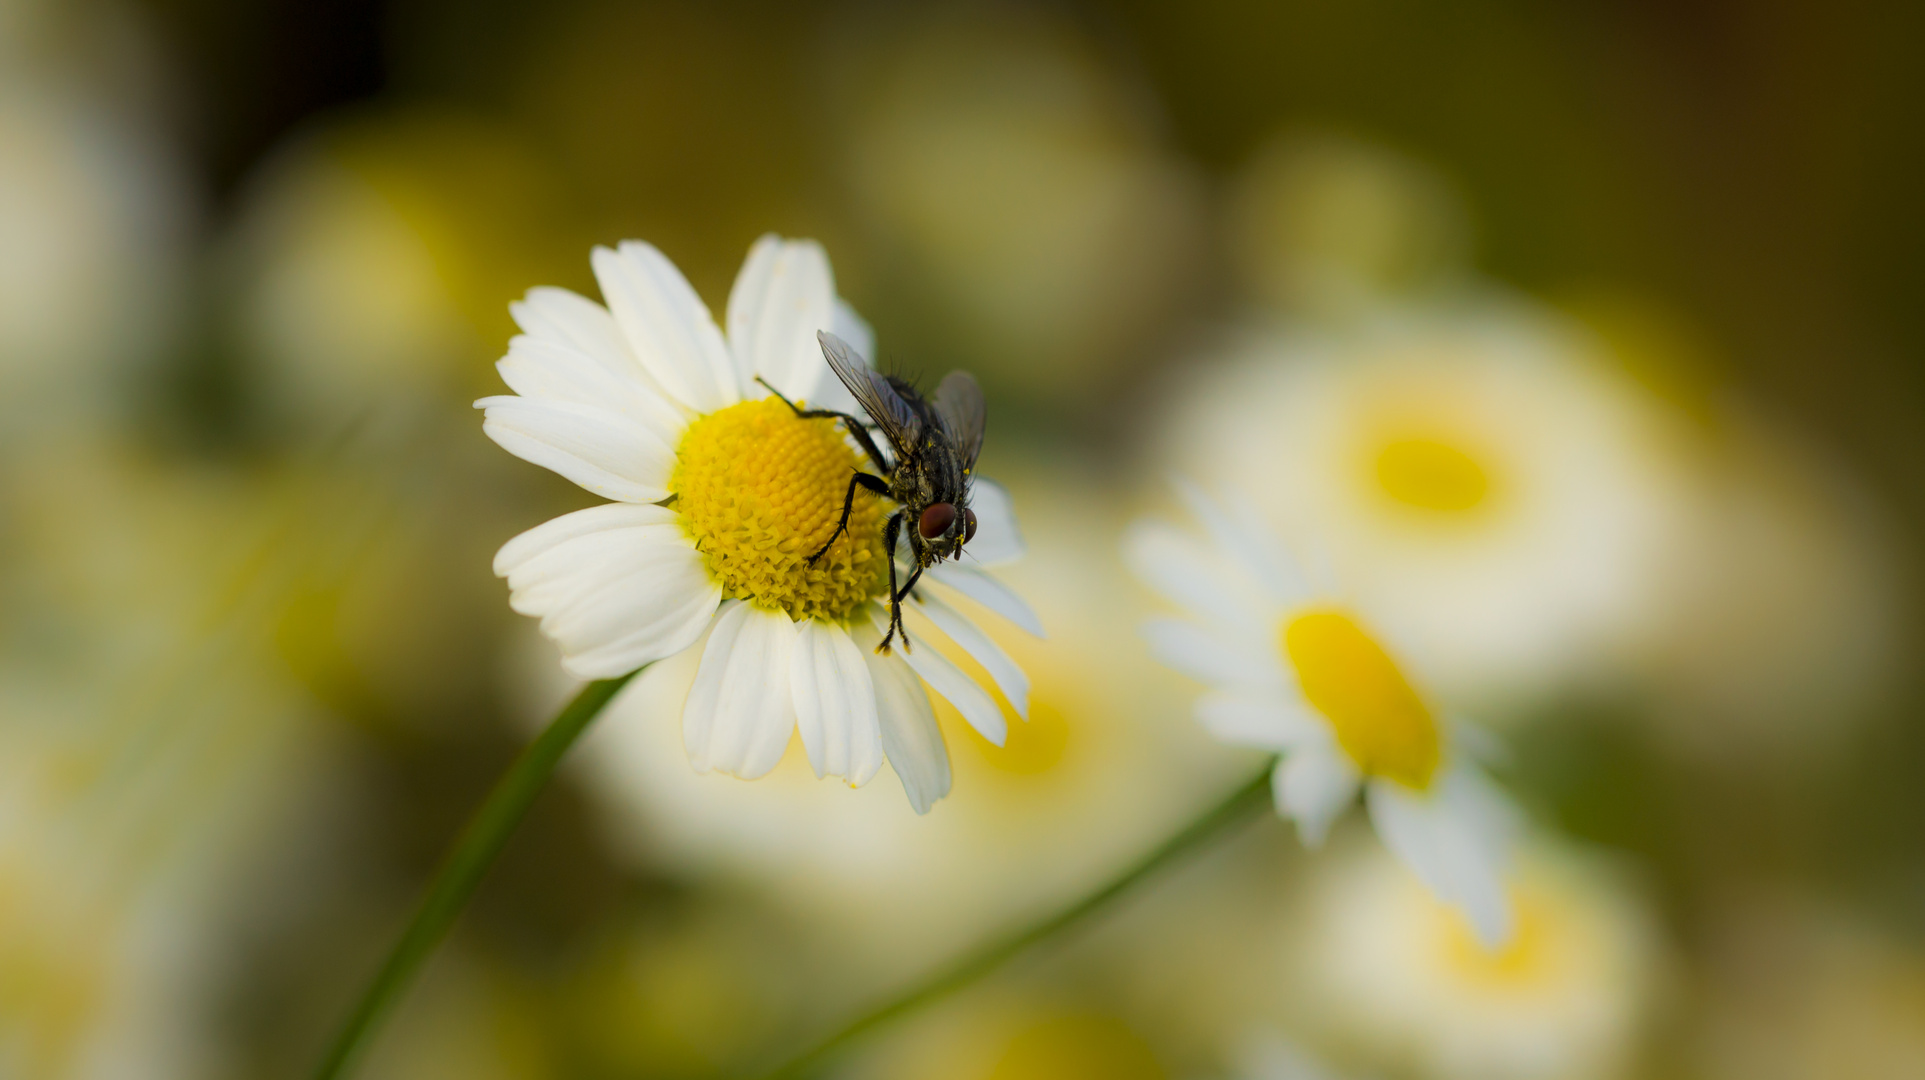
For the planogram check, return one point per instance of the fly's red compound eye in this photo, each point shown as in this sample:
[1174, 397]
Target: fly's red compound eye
[936, 520]
[969, 525]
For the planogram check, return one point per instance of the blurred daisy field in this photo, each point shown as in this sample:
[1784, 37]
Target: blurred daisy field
[1489, 437]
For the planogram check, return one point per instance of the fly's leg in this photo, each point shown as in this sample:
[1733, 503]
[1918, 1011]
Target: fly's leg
[859, 480]
[856, 427]
[889, 531]
[895, 604]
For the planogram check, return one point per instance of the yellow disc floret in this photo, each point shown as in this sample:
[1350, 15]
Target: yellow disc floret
[759, 490]
[1380, 722]
[1431, 474]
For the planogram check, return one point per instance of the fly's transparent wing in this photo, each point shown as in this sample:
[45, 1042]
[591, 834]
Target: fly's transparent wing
[959, 401]
[880, 400]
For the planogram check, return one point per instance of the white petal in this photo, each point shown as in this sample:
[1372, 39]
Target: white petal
[550, 371]
[910, 734]
[667, 327]
[986, 590]
[1255, 553]
[828, 391]
[1312, 787]
[612, 455]
[1208, 658]
[549, 534]
[568, 318]
[835, 703]
[740, 711]
[1480, 743]
[1263, 721]
[1449, 841]
[1188, 574]
[997, 539]
[616, 586]
[1010, 677]
[945, 678]
[783, 295]
[574, 322]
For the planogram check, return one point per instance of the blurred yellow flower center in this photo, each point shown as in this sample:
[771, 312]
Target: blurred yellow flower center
[1379, 720]
[1431, 475]
[1078, 1047]
[759, 490]
[1527, 958]
[1033, 747]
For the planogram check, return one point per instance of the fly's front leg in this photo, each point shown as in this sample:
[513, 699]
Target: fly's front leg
[908, 585]
[895, 603]
[856, 427]
[862, 480]
[889, 531]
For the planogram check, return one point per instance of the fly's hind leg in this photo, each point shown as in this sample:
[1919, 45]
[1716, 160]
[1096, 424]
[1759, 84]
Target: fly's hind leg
[856, 427]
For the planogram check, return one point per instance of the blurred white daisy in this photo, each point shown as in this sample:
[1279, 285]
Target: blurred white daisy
[1301, 672]
[1019, 188]
[722, 494]
[369, 258]
[1504, 496]
[1329, 227]
[96, 218]
[1400, 978]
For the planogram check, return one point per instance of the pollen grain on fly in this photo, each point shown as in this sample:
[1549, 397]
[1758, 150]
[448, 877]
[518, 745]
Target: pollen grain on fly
[759, 489]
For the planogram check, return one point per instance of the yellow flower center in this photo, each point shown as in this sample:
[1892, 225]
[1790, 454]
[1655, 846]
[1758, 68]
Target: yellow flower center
[1431, 474]
[1525, 961]
[759, 490]
[1379, 720]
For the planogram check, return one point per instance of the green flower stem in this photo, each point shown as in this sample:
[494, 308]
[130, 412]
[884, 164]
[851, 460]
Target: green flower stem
[1214, 823]
[480, 842]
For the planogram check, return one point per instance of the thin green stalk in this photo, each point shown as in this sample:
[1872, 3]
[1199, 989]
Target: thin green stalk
[1215, 822]
[474, 851]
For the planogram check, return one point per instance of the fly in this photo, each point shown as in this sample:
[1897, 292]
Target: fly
[935, 442]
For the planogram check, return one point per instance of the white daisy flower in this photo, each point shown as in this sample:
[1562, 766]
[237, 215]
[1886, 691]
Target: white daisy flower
[721, 494]
[1300, 672]
[1507, 498]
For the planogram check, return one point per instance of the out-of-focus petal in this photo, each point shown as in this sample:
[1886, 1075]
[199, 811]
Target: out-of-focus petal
[1313, 786]
[1208, 658]
[997, 539]
[1265, 721]
[1188, 574]
[1445, 837]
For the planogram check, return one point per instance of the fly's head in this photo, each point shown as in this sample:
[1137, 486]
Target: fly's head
[943, 528]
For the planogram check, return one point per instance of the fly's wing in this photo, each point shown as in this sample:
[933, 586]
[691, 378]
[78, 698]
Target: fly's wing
[959, 402]
[878, 398]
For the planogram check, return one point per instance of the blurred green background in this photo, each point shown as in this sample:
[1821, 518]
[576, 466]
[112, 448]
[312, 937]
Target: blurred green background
[255, 262]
